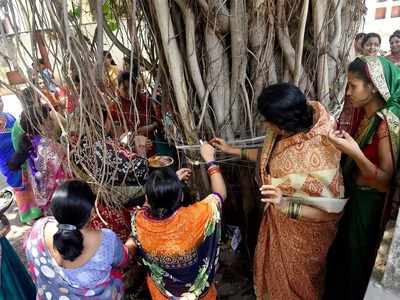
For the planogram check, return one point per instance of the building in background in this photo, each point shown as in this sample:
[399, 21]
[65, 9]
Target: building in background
[383, 17]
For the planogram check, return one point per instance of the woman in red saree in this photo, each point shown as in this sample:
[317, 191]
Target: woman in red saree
[301, 183]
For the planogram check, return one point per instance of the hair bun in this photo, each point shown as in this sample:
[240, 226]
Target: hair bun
[69, 243]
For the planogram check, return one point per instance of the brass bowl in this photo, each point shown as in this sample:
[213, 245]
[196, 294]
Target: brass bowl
[160, 161]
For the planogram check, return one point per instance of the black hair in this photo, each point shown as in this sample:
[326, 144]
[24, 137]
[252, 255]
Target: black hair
[127, 59]
[369, 36]
[124, 76]
[41, 61]
[134, 66]
[285, 106]
[360, 69]
[360, 35]
[395, 34]
[107, 54]
[32, 118]
[164, 192]
[76, 79]
[30, 122]
[27, 97]
[72, 204]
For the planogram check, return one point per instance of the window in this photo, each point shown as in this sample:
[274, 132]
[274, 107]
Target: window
[395, 12]
[380, 13]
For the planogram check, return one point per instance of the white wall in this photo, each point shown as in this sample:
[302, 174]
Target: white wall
[12, 105]
[384, 27]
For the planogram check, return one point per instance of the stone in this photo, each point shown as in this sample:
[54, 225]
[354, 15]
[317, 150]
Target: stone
[391, 277]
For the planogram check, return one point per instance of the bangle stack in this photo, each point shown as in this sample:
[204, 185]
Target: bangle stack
[211, 163]
[213, 168]
[294, 209]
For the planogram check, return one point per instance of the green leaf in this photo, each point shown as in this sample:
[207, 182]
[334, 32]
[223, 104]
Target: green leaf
[75, 12]
[109, 16]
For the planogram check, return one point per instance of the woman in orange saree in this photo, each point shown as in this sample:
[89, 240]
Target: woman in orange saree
[301, 183]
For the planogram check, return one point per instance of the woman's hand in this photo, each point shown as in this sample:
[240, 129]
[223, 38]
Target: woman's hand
[344, 142]
[188, 296]
[221, 145]
[141, 145]
[184, 174]
[271, 194]
[131, 245]
[207, 152]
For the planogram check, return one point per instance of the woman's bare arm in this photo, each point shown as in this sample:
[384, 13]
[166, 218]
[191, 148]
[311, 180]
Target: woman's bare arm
[249, 154]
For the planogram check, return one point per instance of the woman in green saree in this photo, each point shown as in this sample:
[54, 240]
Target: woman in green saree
[15, 282]
[369, 168]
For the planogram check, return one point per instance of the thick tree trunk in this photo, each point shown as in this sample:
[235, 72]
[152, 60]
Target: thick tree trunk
[320, 13]
[175, 65]
[238, 24]
[218, 80]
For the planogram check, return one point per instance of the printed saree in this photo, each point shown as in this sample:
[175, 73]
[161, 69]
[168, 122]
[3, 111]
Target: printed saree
[393, 59]
[290, 254]
[47, 168]
[352, 255]
[181, 251]
[27, 207]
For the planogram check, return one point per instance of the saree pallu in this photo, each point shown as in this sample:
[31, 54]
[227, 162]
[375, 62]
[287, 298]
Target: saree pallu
[291, 257]
[181, 251]
[25, 199]
[117, 219]
[15, 282]
[47, 169]
[291, 254]
[352, 255]
[395, 60]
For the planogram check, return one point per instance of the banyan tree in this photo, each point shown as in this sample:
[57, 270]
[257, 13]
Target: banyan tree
[211, 58]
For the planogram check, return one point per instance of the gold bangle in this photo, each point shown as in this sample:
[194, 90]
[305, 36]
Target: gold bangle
[293, 210]
[300, 212]
[214, 171]
[296, 215]
[285, 210]
[214, 167]
[290, 209]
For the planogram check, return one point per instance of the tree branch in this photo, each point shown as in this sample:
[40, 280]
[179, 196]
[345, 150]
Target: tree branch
[175, 65]
[300, 43]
